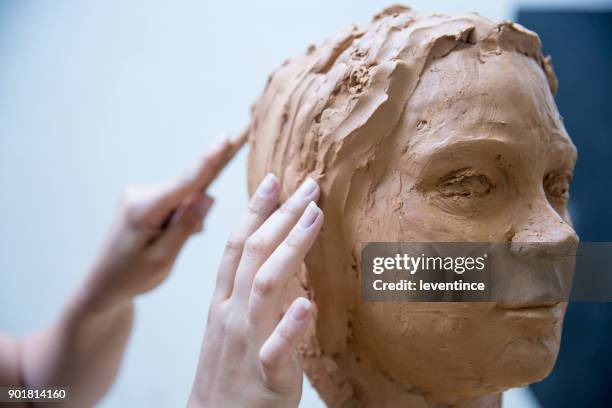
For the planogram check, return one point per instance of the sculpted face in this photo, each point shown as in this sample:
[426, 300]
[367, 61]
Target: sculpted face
[424, 128]
[480, 156]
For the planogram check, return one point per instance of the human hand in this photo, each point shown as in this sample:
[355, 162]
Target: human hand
[248, 354]
[151, 227]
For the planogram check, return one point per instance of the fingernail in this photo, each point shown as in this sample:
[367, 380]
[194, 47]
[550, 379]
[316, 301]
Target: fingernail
[268, 186]
[300, 309]
[310, 215]
[307, 187]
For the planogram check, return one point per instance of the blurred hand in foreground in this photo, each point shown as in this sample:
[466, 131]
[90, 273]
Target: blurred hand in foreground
[82, 350]
[151, 227]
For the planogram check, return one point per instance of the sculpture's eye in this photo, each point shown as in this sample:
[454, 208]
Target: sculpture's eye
[556, 185]
[464, 191]
[466, 182]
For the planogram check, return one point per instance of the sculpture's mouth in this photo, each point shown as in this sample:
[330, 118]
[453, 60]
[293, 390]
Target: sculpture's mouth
[527, 306]
[537, 311]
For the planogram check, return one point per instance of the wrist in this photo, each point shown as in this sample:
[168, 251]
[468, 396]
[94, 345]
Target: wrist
[77, 319]
[91, 299]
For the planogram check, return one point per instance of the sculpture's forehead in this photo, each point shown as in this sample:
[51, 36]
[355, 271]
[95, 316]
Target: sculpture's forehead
[470, 83]
[471, 94]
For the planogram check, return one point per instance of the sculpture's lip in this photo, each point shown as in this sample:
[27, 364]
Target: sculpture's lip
[528, 306]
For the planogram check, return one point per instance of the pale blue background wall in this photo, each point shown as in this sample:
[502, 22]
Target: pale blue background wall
[96, 95]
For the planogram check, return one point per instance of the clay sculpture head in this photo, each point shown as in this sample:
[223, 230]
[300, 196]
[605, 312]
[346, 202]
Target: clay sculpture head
[426, 128]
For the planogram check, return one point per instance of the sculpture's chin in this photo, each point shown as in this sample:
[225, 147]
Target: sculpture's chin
[467, 354]
[524, 361]
[519, 366]
[527, 361]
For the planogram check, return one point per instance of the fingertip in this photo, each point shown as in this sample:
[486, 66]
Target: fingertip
[269, 186]
[308, 188]
[310, 215]
[265, 199]
[300, 310]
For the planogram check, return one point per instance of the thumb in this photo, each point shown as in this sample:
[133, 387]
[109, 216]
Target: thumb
[277, 355]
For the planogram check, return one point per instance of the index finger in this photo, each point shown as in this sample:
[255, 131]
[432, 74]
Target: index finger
[195, 181]
[232, 148]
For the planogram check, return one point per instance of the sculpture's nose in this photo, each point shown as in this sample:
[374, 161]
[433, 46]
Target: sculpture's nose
[541, 231]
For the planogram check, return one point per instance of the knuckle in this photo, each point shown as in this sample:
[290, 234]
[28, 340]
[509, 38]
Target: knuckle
[159, 260]
[232, 329]
[234, 245]
[258, 206]
[213, 315]
[294, 239]
[266, 361]
[262, 286]
[290, 208]
[226, 329]
[255, 246]
[217, 312]
[277, 376]
[284, 333]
